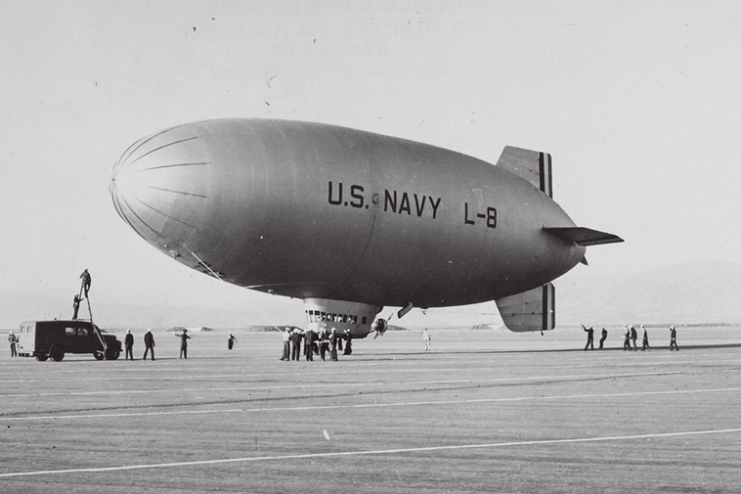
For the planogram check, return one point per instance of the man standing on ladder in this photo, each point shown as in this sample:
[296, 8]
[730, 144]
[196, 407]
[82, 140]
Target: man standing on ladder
[86, 281]
[76, 306]
[85, 288]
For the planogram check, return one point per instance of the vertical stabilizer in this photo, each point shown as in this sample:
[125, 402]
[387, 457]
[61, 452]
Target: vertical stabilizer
[534, 310]
[532, 166]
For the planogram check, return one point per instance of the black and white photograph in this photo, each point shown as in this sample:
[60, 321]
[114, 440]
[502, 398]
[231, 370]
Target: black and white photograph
[444, 246]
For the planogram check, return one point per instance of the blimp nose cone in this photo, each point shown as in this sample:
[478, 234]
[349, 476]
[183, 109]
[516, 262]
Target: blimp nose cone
[160, 186]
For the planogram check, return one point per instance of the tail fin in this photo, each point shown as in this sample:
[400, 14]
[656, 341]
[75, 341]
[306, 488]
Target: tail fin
[583, 236]
[534, 310]
[532, 166]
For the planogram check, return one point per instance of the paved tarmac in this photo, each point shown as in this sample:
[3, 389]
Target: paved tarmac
[484, 411]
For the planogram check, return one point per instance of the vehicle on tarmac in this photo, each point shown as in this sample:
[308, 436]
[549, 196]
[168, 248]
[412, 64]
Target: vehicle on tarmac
[55, 339]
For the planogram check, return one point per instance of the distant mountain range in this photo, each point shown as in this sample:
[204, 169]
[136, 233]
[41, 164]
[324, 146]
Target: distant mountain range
[693, 292]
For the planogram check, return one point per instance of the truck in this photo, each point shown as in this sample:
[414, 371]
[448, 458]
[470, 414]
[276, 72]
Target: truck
[54, 339]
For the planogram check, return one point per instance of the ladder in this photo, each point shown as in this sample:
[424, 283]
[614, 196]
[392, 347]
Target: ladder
[96, 329]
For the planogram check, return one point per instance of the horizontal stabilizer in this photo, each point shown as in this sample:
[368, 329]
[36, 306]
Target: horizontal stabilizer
[583, 236]
[534, 310]
[532, 166]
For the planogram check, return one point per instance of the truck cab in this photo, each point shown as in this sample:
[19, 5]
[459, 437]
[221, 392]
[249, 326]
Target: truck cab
[54, 339]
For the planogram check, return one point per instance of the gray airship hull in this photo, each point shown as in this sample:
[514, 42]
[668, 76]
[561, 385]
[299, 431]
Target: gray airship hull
[310, 210]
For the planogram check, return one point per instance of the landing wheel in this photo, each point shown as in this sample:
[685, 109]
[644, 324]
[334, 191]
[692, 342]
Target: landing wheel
[98, 355]
[42, 358]
[112, 354]
[57, 353]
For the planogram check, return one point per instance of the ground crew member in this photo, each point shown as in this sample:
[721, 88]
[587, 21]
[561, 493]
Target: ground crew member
[634, 337]
[673, 338]
[626, 341]
[427, 339]
[129, 344]
[86, 281]
[590, 337]
[295, 344]
[645, 338]
[184, 344]
[323, 342]
[75, 306]
[348, 342]
[286, 345]
[333, 344]
[13, 339]
[148, 344]
[231, 341]
[309, 344]
[603, 338]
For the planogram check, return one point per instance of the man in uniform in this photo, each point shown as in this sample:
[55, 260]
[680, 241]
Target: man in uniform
[148, 344]
[426, 338]
[602, 338]
[634, 337]
[86, 281]
[645, 338]
[129, 344]
[309, 344]
[323, 342]
[184, 344]
[626, 335]
[348, 342]
[590, 337]
[295, 344]
[333, 344]
[75, 306]
[13, 339]
[286, 345]
[673, 338]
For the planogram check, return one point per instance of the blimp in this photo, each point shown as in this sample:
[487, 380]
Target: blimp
[351, 221]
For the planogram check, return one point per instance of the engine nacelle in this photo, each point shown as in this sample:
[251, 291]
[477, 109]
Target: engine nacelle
[380, 326]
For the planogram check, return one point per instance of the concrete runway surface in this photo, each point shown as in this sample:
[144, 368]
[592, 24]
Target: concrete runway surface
[484, 411]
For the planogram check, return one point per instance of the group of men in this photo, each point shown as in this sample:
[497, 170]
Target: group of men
[315, 344]
[148, 345]
[630, 335]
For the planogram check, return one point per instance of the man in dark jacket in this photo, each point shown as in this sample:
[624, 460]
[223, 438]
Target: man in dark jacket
[590, 337]
[148, 344]
[333, 344]
[626, 337]
[309, 344]
[295, 344]
[184, 344]
[129, 344]
[603, 338]
[673, 338]
[86, 282]
[323, 343]
[348, 342]
[75, 306]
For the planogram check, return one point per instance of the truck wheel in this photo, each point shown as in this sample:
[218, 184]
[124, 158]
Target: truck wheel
[42, 358]
[98, 355]
[112, 354]
[57, 353]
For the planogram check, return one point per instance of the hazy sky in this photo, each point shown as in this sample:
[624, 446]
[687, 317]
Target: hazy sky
[638, 102]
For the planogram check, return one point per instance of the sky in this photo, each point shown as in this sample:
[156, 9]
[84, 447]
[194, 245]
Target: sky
[637, 102]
